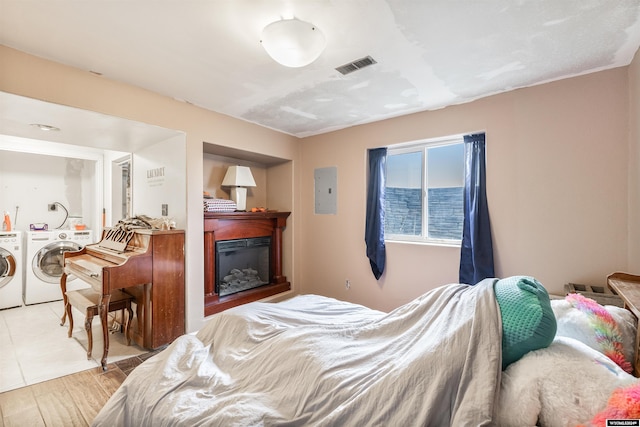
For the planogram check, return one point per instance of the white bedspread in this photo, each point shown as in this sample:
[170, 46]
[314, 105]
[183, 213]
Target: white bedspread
[317, 361]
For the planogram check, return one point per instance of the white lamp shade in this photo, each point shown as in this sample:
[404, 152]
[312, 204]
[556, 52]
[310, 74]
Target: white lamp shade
[293, 43]
[239, 176]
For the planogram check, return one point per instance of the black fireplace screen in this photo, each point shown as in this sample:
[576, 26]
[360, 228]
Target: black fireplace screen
[242, 264]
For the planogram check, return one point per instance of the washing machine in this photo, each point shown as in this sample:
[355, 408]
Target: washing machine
[43, 263]
[11, 269]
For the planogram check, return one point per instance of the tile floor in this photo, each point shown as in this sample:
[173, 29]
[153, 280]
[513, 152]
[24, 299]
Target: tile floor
[35, 348]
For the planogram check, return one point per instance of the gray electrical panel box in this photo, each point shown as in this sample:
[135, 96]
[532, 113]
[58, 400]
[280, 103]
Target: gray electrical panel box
[326, 190]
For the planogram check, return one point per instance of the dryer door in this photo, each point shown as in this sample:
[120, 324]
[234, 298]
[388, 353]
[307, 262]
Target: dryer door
[7, 267]
[47, 263]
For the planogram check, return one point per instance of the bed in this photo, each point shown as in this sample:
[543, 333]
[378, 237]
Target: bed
[314, 360]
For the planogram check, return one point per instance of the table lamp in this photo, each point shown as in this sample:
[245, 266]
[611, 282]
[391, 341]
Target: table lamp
[239, 177]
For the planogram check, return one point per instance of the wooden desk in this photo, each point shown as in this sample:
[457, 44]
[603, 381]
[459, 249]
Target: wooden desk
[627, 286]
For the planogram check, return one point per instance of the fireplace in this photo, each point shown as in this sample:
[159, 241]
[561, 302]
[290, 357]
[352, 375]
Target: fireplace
[238, 241]
[242, 264]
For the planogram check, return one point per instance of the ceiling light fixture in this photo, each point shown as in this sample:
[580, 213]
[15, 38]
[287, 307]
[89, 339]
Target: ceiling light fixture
[292, 42]
[46, 128]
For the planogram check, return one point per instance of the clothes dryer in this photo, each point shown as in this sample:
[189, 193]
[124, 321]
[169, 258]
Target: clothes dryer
[11, 269]
[43, 264]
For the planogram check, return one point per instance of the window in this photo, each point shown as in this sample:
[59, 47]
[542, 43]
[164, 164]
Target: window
[424, 191]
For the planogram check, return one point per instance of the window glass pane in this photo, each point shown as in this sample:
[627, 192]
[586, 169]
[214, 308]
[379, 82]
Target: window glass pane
[403, 205]
[445, 182]
[424, 192]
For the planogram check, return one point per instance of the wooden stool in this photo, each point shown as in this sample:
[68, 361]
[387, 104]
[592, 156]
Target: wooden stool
[87, 300]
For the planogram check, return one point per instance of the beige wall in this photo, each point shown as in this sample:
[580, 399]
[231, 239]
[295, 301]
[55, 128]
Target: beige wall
[558, 179]
[557, 187]
[214, 169]
[634, 165]
[36, 78]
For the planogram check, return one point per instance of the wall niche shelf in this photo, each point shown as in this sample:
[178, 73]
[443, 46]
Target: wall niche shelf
[242, 225]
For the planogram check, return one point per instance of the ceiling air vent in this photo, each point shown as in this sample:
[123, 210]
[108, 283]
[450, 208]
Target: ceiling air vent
[356, 65]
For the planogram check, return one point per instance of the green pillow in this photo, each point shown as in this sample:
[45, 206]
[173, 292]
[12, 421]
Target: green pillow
[528, 322]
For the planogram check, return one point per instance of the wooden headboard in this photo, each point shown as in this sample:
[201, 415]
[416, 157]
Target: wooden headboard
[627, 287]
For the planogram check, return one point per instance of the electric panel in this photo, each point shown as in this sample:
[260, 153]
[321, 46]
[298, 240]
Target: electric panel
[326, 190]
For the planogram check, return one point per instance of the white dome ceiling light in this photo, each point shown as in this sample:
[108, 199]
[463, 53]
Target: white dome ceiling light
[292, 42]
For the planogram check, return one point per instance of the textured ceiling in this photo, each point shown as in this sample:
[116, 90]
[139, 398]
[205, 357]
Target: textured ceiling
[429, 54]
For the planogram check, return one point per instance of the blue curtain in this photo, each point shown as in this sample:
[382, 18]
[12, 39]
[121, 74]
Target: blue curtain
[374, 232]
[476, 255]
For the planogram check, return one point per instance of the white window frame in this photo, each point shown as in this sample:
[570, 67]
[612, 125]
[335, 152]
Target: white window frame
[423, 146]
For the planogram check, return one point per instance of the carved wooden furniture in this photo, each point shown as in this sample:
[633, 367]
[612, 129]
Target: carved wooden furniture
[237, 225]
[151, 269]
[87, 301]
[627, 286]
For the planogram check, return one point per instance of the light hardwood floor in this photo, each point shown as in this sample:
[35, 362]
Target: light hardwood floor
[72, 400]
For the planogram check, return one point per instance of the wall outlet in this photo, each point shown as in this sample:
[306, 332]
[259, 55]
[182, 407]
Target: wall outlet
[53, 207]
[165, 210]
[347, 284]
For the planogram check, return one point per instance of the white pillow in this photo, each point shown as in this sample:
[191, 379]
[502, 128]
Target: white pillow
[574, 323]
[565, 384]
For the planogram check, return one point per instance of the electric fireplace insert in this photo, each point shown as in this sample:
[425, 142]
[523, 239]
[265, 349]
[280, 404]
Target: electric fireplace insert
[242, 264]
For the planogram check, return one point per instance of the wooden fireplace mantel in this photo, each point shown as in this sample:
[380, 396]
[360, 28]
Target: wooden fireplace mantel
[241, 225]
